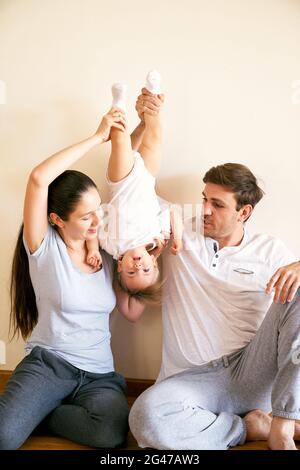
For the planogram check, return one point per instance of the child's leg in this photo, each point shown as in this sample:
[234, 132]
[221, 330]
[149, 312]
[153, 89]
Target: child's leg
[121, 157]
[150, 148]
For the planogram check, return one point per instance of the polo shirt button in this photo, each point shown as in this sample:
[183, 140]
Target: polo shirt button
[217, 256]
[214, 265]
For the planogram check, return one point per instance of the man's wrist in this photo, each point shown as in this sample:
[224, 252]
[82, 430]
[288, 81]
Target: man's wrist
[139, 129]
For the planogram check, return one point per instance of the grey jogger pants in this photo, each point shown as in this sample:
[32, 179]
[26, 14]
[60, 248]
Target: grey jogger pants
[202, 408]
[82, 406]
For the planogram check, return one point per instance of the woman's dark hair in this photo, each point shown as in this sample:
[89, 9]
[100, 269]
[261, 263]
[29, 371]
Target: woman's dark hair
[239, 179]
[64, 193]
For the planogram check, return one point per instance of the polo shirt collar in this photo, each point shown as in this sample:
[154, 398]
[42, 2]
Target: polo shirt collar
[213, 246]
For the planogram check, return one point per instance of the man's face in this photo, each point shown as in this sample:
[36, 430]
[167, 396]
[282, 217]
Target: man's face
[220, 218]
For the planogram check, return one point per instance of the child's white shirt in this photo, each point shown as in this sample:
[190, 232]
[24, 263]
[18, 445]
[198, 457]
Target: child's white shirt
[135, 216]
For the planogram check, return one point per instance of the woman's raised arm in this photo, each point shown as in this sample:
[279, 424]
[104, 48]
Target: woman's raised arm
[35, 204]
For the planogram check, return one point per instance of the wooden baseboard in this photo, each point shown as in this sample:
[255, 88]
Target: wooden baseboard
[4, 376]
[135, 386]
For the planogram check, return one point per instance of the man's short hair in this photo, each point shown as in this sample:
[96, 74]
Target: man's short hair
[239, 179]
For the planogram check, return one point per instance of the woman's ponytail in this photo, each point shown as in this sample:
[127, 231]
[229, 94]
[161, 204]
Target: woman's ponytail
[23, 313]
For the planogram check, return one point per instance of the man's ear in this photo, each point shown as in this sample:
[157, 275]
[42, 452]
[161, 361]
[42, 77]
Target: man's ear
[54, 219]
[245, 212]
[120, 269]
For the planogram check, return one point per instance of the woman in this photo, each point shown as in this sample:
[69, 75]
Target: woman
[61, 305]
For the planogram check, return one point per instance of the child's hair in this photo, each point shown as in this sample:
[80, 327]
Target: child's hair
[151, 295]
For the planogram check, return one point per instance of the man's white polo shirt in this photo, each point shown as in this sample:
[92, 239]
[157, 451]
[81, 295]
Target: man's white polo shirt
[214, 300]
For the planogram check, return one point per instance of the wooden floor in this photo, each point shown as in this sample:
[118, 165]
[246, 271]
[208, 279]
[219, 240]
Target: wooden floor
[48, 442]
[58, 443]
[40, 441]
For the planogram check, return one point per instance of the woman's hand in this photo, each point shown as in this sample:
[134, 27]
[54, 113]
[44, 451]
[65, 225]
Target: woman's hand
[148, 103]
[114, 118]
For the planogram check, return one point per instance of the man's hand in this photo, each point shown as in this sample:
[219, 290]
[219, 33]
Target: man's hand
[148, 103]
[286, 282]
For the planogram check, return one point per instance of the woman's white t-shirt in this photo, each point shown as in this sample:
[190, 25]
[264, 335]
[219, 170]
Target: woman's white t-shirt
[73, 306]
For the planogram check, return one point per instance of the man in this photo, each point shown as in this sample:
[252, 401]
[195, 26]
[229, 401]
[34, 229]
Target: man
[228, 358]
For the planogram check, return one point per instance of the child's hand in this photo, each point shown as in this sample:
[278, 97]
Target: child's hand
[94, 259]
[114, 118]
[160, 246]
[176, 246]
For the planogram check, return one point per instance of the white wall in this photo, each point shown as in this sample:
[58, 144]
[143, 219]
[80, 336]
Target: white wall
[228, 67]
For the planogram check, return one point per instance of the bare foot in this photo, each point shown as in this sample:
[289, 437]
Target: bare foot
[282, 432]
[297, 431]
[258, 425]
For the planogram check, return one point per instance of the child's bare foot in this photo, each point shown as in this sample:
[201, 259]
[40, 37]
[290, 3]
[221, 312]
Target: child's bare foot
[258, 425]
[94, 259]
[281, 435]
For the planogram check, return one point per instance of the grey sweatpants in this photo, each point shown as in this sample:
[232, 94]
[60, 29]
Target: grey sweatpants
[203, 407]
[82, 406]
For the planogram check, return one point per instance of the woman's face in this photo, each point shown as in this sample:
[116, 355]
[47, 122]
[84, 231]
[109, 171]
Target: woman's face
[84, 221]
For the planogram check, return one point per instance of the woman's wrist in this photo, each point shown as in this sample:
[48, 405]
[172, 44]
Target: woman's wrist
[98, 138]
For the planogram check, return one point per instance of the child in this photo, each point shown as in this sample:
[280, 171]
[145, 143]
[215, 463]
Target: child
[137, 228]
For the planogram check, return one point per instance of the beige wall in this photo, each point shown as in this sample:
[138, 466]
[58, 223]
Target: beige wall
[229, 68]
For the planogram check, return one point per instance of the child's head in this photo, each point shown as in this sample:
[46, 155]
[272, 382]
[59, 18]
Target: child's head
[138, 274]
